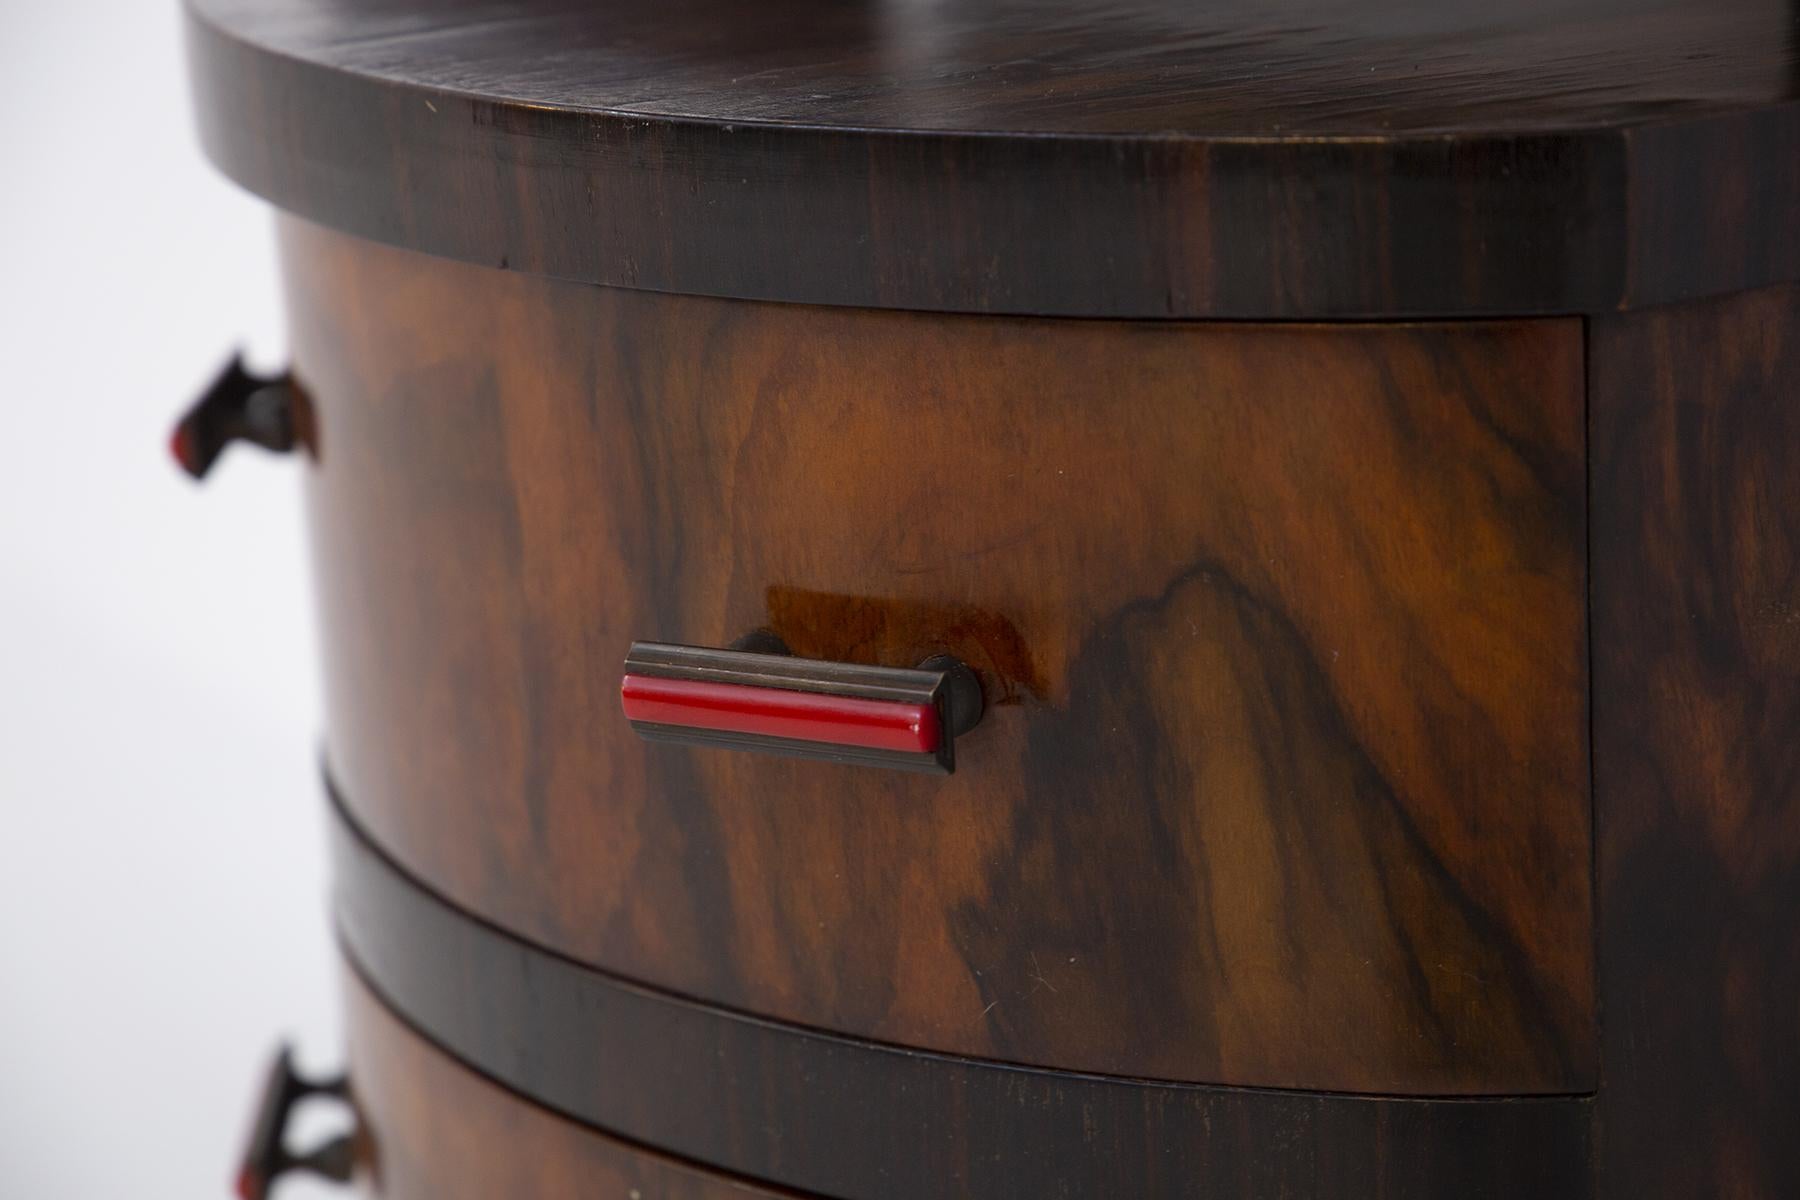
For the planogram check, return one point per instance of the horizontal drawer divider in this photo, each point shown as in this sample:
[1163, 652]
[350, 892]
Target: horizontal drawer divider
[864, 1120]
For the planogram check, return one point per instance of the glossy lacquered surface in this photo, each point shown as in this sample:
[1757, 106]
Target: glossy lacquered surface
[1282, 780]
[1235, 68]
[1149, 158]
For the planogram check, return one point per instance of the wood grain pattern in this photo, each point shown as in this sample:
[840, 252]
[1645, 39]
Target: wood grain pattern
[1236, 68]
[1152, 158]
[1285, 783]
[434, 1130]
[1696, 436]
[861, 1121]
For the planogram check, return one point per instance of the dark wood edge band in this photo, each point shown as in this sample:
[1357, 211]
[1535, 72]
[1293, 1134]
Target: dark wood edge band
[864, 1121]
[370, 1100]
[908, 685]
[1503, 224]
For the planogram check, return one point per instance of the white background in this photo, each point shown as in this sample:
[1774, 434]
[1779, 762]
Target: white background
[162, 885]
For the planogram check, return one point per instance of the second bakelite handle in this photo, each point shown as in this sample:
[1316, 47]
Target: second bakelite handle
[237, 406]
[755, 696]
[267, 1156]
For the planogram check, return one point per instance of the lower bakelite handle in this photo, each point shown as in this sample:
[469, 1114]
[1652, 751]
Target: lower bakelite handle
[758, 697]
[267, 1156]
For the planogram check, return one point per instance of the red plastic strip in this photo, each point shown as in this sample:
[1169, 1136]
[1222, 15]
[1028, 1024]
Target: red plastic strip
[776, 712]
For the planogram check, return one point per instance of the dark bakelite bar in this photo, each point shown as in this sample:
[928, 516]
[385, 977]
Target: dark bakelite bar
[905, 718]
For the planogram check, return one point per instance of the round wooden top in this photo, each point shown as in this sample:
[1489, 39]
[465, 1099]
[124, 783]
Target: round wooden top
[1139, 158]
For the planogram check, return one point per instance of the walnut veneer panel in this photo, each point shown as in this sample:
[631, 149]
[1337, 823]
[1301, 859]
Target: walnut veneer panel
[1696, 419]
[1284, 780]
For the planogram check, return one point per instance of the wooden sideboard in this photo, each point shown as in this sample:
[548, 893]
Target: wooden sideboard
[1356, 451]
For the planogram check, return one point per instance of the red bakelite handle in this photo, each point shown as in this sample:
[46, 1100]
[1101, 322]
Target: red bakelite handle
[765, 699]
[774, 712]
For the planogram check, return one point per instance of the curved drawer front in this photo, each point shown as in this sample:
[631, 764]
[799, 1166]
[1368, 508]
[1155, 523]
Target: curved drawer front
[1282, 779]
[857, 1120]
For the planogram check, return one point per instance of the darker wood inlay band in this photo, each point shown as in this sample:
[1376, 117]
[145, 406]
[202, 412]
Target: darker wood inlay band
[434, 1130]
[1488, 186]
[866, 1121]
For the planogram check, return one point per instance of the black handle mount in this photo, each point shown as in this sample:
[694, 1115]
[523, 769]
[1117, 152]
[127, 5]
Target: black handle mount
[236, 407]
[267, 1157]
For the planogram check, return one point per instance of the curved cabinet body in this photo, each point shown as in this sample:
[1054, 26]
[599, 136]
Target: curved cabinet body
[1351, 445]
[1283, 780]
